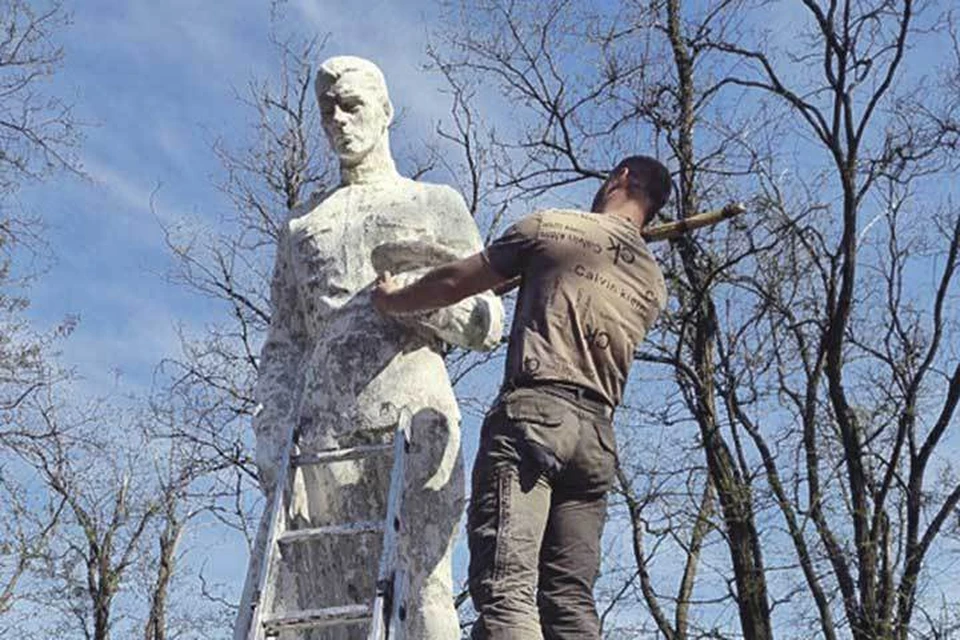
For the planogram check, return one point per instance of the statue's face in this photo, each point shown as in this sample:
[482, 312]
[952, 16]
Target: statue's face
[353, 115]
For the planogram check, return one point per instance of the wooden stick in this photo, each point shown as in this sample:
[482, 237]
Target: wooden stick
[672, 230]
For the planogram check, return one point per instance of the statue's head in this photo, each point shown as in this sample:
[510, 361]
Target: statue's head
[354, 106]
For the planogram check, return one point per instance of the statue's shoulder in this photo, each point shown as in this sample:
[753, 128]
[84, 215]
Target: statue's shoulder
[310, 203]
[299, 215]
[436, 195]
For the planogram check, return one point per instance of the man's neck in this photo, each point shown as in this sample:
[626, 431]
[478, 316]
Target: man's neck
[627, 209]
[376, 166]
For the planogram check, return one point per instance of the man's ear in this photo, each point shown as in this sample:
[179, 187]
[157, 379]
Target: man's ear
[621, 177]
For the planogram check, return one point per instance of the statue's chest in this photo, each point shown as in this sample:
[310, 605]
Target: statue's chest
[332, 244]
[392, 218]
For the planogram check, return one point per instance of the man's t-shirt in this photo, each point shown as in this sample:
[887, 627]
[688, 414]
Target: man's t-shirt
[590, 291]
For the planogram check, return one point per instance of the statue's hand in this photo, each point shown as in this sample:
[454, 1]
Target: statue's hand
[383, 289]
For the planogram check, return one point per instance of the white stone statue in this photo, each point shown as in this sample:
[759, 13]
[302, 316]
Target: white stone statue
[340, 372]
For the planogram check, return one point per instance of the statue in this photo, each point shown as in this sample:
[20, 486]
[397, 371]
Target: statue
[340, 372]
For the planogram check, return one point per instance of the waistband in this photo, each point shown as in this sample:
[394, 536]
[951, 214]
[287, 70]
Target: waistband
[585, 398]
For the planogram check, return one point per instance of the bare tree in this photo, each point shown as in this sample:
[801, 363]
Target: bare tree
[38, 136]
[875, 348]
[25, 538]
[793, 354]
[190, 490]
[37, 130]
[106, 512]
[121, 494]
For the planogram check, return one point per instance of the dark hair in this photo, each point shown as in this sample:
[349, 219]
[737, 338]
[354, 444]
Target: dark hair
[646, 178]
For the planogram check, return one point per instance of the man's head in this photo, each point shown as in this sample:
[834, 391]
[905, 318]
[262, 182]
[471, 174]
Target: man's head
[642, 180]
[354, 106]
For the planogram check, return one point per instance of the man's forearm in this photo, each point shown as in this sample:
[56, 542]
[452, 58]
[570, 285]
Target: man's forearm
[436, 289]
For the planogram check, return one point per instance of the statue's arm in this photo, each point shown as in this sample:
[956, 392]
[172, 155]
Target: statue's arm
[477, 321]
[278, 382]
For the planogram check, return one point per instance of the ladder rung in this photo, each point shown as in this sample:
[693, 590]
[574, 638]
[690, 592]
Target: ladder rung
[339, 455]
[349, 614]
[297, 535]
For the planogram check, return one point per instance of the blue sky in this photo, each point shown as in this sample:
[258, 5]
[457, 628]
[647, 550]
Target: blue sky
[156, 82]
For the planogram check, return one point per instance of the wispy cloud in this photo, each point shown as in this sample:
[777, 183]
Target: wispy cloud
[155, 79]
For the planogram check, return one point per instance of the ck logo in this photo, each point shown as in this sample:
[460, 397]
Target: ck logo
[620, 252]
[597, 338]
[531, 364]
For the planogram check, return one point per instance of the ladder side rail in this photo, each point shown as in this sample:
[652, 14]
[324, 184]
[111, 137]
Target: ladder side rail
[242, 625]
[263, 595]
[387, 573]
[398, 606]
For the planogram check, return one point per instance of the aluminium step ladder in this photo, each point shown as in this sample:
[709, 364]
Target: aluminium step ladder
[386, 612]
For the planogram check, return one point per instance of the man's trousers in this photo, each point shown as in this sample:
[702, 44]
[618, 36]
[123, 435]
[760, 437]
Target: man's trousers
[546, 461]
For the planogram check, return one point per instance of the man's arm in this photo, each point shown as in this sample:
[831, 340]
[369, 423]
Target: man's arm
[446, 285]
[476, 321]
[508, 285]
[497, 268]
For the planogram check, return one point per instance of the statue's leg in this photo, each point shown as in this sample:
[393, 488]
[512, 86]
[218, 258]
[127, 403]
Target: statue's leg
[433, 504]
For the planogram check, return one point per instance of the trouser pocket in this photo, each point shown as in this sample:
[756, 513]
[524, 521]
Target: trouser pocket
[546, 428]
[593, 466]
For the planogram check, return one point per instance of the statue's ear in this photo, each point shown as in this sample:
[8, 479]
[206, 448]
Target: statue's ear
[388, 107]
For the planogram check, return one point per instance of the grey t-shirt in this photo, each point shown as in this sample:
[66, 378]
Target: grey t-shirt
[590, 291]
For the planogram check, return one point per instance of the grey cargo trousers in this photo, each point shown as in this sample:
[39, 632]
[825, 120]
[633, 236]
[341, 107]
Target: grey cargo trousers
[546, 461]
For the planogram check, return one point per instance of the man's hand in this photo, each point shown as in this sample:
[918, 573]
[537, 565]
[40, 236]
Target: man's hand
[384, 288]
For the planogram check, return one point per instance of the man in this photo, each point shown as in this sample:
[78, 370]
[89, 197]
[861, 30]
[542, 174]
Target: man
[589, 291]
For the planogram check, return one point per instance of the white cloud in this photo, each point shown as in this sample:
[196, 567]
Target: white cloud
[123, 189]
